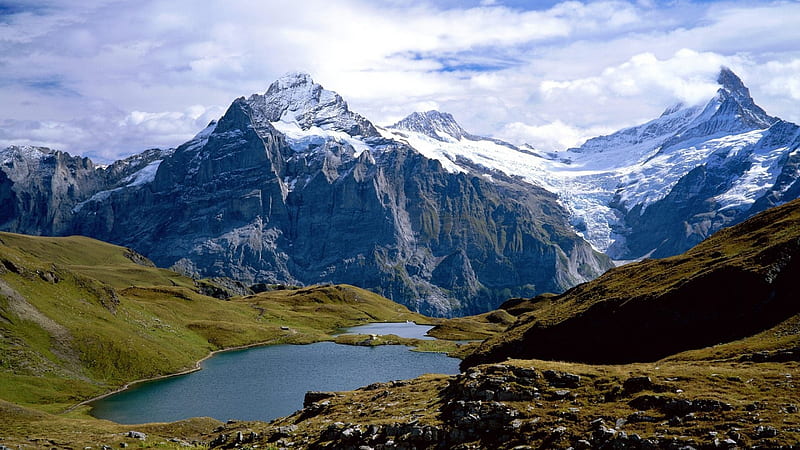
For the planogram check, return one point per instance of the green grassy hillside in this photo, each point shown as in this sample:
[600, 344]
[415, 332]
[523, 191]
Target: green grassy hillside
[79, 317]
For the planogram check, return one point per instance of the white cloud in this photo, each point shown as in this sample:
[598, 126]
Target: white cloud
[687, 76]
[170, 124]
[114, 77]
[553, 136]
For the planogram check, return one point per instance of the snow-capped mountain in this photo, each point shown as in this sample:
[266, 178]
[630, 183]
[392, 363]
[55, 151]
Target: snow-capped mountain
[632, 170]
[627, 192]
[433, 124]
[296, 101]
[291, 186]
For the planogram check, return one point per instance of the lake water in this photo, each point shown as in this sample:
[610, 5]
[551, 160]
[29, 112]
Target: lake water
[401, 329]
[264, 383]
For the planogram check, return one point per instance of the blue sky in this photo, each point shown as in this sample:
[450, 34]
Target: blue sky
[109, 78]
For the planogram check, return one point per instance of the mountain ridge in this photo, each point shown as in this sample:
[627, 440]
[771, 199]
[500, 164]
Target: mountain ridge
[292, 187]
[659, 189]
[433, 124]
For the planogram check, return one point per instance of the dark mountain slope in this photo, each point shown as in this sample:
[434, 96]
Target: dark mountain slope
[738, 282]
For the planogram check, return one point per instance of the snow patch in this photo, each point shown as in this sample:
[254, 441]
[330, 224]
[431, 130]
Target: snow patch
[762, 175]
[143, 176]
[146, 175]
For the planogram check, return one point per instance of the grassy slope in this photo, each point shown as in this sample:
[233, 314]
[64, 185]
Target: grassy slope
[753, 376]
[79, 318]
[733, 285]
[759, 395]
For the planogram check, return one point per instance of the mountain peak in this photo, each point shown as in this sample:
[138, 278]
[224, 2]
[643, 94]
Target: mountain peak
[731, 82]
[734, 105]
[296, 98]
[731, 111]
[290, 80]
[437, 125]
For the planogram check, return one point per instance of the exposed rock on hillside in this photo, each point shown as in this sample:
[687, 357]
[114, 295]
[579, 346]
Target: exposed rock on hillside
[523, 404]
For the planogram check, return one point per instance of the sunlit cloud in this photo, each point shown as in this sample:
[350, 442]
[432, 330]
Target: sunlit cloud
[110, 78]
[550, 137]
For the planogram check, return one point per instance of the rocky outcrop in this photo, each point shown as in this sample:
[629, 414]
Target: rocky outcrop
[518, 406]
[40, 188]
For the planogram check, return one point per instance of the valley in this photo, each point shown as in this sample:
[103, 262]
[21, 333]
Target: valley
[80, 318]
[736, 390]
[292, 217]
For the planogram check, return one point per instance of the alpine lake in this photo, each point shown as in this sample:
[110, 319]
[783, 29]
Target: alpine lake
[264, 383]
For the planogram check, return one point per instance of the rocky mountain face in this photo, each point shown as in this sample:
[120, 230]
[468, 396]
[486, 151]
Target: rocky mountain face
[39, 187]
[737, 283]
[292, 187]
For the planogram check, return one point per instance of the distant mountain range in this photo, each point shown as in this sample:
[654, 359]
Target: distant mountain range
[292, 187]
[656, 189]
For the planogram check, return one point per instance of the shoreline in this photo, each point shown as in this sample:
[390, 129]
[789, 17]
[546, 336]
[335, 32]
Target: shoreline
[196, 368]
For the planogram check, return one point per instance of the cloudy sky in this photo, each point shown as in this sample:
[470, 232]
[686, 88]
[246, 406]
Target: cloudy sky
[106, 79]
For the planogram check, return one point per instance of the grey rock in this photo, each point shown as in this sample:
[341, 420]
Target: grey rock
[603, 434]
[136, 435]
[562, 379]
[597, 424]
[641, 416]
[312, 397]
[765, 431]
[41, 188]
